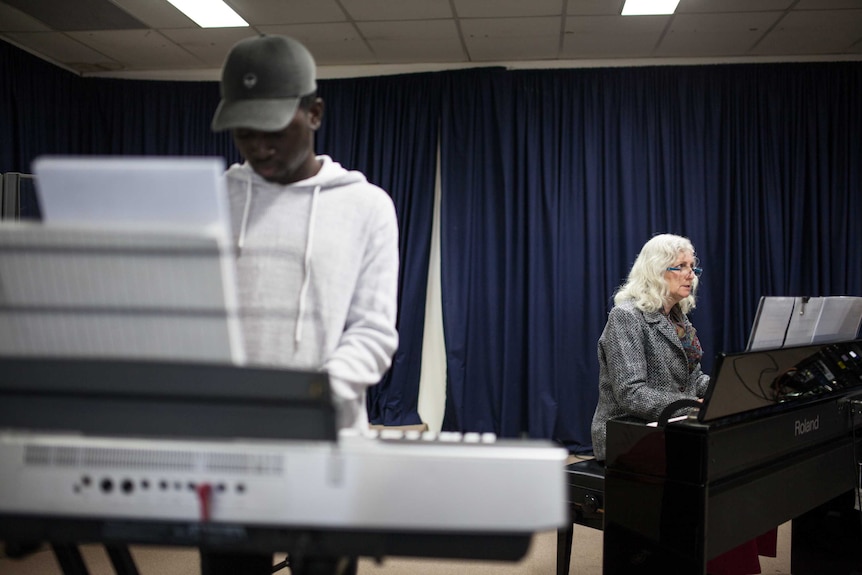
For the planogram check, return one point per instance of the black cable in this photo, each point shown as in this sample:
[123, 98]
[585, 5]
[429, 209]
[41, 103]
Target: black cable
[745, 384]
[281, 565]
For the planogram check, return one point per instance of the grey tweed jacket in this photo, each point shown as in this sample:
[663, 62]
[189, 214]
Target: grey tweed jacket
[642, 369]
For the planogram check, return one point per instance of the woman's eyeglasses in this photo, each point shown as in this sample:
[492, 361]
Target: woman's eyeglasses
[684, 269]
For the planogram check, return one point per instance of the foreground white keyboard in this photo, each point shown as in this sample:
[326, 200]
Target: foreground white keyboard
[378, 480]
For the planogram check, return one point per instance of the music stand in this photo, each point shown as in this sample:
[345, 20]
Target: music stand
[794, 321]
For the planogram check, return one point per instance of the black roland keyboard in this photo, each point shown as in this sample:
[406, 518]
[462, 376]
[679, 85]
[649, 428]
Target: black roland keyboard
[682, 493]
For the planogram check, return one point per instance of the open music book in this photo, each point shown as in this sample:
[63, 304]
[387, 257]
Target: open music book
[791, 321]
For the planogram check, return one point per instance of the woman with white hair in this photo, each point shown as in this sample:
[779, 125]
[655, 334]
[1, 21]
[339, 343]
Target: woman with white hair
[649, 357]
[649, 353]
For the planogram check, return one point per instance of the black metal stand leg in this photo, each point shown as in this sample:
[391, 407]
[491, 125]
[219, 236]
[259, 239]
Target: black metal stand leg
[70, 560]
[20, 549]
[121, 559]
[564, 549]
[235, 563]
[326, 566]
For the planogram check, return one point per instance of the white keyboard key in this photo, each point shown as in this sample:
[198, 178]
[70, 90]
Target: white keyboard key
[391, 434]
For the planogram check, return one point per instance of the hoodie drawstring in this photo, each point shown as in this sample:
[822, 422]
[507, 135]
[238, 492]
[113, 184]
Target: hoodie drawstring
[306, 276]
[245, 212]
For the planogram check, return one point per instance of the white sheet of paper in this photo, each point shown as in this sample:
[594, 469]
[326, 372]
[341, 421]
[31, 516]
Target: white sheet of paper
[803, 322]
[771, 323]
[143, 192]
[839, 320]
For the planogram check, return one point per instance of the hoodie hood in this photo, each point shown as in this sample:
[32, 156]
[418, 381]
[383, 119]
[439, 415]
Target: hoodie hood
[330, 176]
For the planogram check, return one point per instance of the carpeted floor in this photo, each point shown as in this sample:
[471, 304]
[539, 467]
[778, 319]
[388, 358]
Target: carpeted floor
[540, 560]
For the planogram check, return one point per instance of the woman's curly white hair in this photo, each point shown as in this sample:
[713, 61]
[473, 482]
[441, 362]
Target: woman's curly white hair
[646, 285]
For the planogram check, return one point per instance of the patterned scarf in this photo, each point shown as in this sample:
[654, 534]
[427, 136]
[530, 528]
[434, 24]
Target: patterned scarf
[687, 337]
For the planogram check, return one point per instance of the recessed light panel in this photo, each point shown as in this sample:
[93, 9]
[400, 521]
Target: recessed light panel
[643, 7]
[209, 13]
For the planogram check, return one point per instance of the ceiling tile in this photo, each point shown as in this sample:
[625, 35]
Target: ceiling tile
[209, 45]
[414, 41]
[331, 44]
[504, 39]
[13, 20]
[719, 6]
[139, 49]
[63, 16]
[612, 36]
[156, 14]
[397, 9]
[595, 7]
[693, 35]
[813, 32]
[272, 12]
[60, 48]
[828, 4]
[507, 8]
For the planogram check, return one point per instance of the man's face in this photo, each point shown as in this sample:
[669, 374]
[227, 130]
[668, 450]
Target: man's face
[285, 156]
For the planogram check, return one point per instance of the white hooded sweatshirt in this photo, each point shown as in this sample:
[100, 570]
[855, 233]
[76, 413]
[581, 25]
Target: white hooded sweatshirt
[317, 273]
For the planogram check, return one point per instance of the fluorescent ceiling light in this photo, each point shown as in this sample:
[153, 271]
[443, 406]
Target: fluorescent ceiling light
[642, 7]
[209, 13]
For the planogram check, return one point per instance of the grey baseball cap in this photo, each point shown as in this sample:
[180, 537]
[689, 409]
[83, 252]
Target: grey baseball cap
[263, 79]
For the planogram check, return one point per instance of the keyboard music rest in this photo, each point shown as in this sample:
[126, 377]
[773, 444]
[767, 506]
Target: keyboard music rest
[137, 398]
[685, 493]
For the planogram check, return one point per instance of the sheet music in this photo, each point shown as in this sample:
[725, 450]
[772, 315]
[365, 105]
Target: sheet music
[792, 321]
[839, 320]
[803, 322]
[770, 325]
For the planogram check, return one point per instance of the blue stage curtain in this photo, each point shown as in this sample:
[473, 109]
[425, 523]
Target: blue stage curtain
[553, 179]
[47, 110]
[153, 118]
[34, 109]
[523, 292]
[386, 127]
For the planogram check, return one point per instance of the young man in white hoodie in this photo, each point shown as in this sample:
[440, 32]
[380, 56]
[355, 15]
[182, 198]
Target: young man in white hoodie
[317, 245]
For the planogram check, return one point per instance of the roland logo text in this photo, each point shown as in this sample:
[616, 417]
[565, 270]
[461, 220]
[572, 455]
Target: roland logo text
[803, 426]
